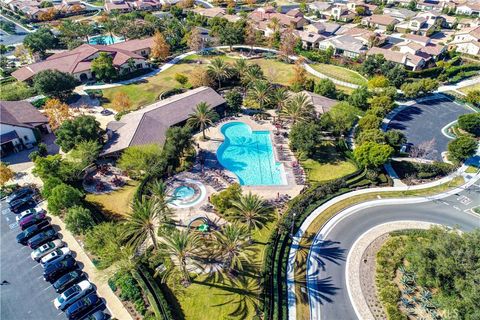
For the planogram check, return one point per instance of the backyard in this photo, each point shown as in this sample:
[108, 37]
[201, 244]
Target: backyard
[327, 164]
[339, 73]
[116, 203]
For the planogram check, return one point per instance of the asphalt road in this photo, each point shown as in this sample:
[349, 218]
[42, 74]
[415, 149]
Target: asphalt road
[27, 296]
[326, 266]
[9, 39]
[424, 121]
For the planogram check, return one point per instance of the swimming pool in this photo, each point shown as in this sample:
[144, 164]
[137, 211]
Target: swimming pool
[105, 40]
[249, 154]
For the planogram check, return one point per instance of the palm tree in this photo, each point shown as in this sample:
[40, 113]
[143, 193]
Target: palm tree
[109, 27]
[260, 92]
[298, 107]
[231, 242]
[253, 73]
[251, 210]
[279, 98]
[85, 29]
[219, 70]
[241, 67]
[181, 245]
[158, 191]
[140, 223]
[202, 117]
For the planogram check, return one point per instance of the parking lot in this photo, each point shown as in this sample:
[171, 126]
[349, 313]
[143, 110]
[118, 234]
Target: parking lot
[424, 121]
[26, 295]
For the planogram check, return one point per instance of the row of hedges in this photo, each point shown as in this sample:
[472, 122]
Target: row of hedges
[154, 294]
[406, 169]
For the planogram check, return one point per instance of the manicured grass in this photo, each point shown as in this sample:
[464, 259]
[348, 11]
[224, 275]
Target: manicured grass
[471, 169]
[470, 88]
[116, 203]
[327, 164]
[205, 299]
[340, 73]
[303, 311]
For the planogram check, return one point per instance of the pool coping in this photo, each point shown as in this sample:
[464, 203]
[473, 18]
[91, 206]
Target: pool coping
[203, 194]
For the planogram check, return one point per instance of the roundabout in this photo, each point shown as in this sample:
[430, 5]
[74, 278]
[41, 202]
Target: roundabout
[332, 267]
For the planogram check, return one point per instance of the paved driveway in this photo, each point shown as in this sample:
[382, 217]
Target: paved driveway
[27, 296]
[424, 121]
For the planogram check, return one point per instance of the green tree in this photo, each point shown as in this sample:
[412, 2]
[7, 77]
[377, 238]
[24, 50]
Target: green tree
[395, 138]
[378, 82]
[78, 220]
[105, 241]
[158, 194]
[298, 107]
[383, 103]
[39, 41]
[473, 97]
[47, 166]
[62, 197]
[137, 160]
[369, 121]
[372, 155]
[251, 210]
[53, 83]
[231, 34]
[72, 132]
[103, 67]
[341, 117]
[470, 123]
[326, 87]
[252, 74]
[84, 153]
[419, 88]
[279, 98]
[305, 137]
[462, 148]
[140, 223]
[182, 246]
[234, 100]
[202, 117]
[219, 70]
[231, 243]
[259, 94]
[359, 98]
[222, 201]
[370, 135]
[49, 182]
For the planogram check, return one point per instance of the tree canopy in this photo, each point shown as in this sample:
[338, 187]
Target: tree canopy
[53, 83]
[462, 148]
[470, 123]
[72, 132]
[372, 154]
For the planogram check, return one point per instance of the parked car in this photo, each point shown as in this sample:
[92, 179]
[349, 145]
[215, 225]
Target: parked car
[77, 310]
[22, 204]
[20, 193]
[97, 315]
[67, 280]
[54, 256]
[24, 236]
[58, 269]
[72, 294]
[45, 249]
[46, 235]
[30, 220]
[28, 212]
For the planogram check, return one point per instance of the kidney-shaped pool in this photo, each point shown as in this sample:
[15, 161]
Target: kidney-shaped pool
[249, 154]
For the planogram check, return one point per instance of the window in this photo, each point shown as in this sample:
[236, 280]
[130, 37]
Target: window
[25, 138]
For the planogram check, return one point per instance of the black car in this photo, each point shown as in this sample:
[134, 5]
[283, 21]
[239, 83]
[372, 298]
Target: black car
[67, 280]
[20, 193]
[81, 307]
[46, 235]
[97, 315]
[54, 271]
[24, 236]
[22, 204]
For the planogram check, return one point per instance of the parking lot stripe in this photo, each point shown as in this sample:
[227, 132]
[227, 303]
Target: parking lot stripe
[36, 265]
[48, 288]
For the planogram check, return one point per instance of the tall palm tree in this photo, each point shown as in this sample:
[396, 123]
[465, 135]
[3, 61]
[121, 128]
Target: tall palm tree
[219, 70]
[298, 107]
[181, 245]
[260, 92]
[231, 242]
[250, 209]
[140, 223]
[202, 117]
[158, 191]
[253, 73]
[241, 67]
[279, 98]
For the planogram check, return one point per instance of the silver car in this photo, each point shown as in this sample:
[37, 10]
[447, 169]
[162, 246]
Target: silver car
[54, 255]
[45, 249]
[72, 294]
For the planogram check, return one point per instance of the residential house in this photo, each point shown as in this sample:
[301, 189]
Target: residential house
[324, 28]
[150, 124]
[310, 40]
[20, 126]
[382, 22]
[428, 5]
[345, 45]
[210, 12]
[368, 7]
[467, 41]
[264, 16]
[320, 103]
[399, 13]
[410, 61]
[78, 61]
[341, 12]
[470, 8]
[320, 7]
[130, 5]
[424, 23]
[33, 10]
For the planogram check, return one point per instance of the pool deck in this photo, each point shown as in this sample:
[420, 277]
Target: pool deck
[268, 192]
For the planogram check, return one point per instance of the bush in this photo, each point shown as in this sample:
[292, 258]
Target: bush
[470, 123]
[49, 183]
[181, 78]
[16, 91]
[78, 220]
[222, 201]
[409, 170]
[63, 197]
[462, 148]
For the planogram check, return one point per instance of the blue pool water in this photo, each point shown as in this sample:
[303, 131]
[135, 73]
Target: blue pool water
[249, 154]
[183, 192]
[105, 40]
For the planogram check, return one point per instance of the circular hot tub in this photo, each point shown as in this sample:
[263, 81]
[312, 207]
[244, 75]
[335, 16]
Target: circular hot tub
[187, 193]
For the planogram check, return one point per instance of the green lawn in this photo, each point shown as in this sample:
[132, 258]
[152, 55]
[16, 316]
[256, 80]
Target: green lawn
[116, 203]
[340, 73]
[205, 300]
[327, 164]
[470, 88]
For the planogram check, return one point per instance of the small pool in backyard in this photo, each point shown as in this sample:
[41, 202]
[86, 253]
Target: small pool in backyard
[186, 193]
[249, 154]
[105, 39]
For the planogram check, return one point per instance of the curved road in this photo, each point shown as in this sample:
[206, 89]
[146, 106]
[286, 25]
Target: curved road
[328, 294]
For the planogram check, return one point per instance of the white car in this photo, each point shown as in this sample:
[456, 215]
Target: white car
[46, 248]
[72, 294]
[28, 212]
[54, 255]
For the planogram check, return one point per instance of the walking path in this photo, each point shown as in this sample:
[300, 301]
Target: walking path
[461, 84]
[17, 24]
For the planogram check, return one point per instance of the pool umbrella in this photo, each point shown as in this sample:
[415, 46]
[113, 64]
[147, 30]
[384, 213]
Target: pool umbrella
[203, 228]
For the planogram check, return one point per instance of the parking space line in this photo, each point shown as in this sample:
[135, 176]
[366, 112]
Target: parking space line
[457, 208]
[48, 288]
[36, 265]
[445, 203]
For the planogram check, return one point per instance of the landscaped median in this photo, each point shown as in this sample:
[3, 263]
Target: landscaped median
[303, 242]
